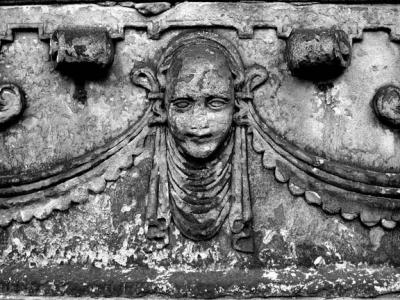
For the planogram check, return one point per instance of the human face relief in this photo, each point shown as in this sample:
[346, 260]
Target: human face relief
[200, 100]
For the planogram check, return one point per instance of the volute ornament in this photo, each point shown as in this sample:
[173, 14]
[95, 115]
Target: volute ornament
[12, 103]
[386, 104]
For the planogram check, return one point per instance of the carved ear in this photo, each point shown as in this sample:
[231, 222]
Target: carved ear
[254, 77]
[145, 78]
[159, 113]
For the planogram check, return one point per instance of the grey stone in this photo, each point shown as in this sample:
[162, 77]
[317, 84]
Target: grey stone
[386, 104]
[199, 160]
[83, 53]
[80, 48]
[12, 103]
[318, 53]
[152, 9]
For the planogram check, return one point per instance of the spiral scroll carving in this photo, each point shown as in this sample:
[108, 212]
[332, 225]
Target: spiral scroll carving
[12, 103]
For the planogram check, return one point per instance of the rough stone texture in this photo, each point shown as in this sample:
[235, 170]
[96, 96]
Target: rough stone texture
[82, 53]
[318, 54]
[65, 128]
[95, 244]
[19, 2]
[82, 49]
[386, 105]
[12, 103]
[152, 9]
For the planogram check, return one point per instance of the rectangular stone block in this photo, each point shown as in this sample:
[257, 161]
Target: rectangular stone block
[184, 150]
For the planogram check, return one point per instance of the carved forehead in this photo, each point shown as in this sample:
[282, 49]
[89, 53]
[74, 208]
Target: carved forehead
[197, 60]
[199, 70]
[207, 46]
[201, 53]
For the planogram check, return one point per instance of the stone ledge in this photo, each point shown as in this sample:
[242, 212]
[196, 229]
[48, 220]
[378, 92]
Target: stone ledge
[110, 3]
[329, 280]
[18, 297]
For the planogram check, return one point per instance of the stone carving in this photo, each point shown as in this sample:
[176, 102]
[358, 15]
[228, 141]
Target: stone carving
[285, 18]
[38, 196]
[182, 149]
[386, 104]
[338, 188]
[318, 53]
[12, 103]
[153, 8]
[79, 48]
[181, 146]
[83, 53]
[370, 185]
[199, 175]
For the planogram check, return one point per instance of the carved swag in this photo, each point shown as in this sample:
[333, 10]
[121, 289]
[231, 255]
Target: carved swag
[199, 177]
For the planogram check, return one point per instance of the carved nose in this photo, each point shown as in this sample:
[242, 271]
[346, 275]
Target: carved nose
[199, 119]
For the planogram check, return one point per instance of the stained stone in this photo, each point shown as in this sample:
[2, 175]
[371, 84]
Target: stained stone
[318, 53]
[386, 105]
[151, 9]
[182, 149]
[12, 103]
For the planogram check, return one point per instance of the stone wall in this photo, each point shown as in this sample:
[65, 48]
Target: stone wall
[199, 149]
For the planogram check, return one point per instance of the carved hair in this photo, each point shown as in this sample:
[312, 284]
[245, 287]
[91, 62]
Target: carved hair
[245, 79]
[210, 39]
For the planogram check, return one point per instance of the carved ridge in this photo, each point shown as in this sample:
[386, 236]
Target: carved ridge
[9, 185]
[284, 19]
[41, 204]
[375, 183]
[325, 183]
[12, 103]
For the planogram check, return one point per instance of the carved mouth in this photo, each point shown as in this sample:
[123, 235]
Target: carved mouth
[198, 138]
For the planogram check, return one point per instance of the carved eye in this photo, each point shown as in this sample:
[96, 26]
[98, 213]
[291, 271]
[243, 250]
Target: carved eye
[181, 103]
[217, 103]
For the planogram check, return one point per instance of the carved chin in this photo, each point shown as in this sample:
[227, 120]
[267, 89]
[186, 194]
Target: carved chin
[199, 150]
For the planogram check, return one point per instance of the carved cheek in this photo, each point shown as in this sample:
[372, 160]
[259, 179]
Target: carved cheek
[179, 122]
[221, 121]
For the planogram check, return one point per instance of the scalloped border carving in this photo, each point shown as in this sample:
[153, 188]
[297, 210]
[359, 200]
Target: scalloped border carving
[322, 188]
[283, 18]
[40, 204]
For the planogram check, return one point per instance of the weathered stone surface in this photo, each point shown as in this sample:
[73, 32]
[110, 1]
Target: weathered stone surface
[152, 9]
[318, 54]
[199, 166]
[82, 53]
[20, 2]
[82, 49]
[12, 103]
[386, 105]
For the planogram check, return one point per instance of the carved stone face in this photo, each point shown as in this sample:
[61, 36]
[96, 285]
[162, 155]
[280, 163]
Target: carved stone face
[200, 100]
